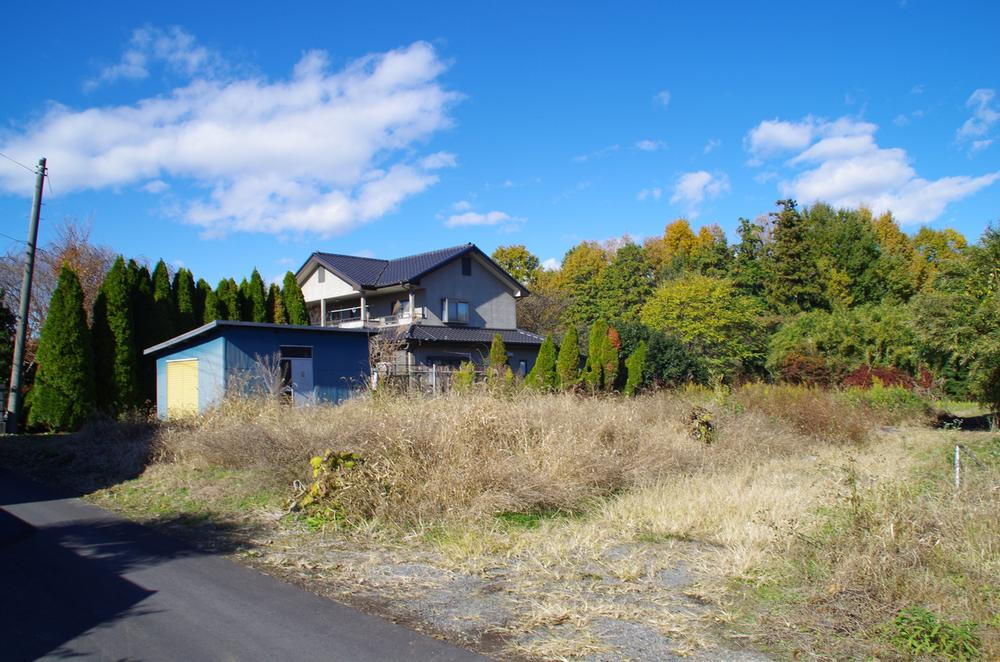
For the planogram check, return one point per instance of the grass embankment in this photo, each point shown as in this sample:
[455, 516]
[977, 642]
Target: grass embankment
[781, 517]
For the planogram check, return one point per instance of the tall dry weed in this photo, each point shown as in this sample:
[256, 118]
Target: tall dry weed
[469, 455]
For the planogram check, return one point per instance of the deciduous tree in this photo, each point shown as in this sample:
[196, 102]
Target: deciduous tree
[712, 320]
[518, 261]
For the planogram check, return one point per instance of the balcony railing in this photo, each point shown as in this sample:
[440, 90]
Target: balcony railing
[351, 317]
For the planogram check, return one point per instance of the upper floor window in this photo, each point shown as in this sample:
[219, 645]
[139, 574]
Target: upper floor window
[466, 266]
[454, 312]
[321, 275]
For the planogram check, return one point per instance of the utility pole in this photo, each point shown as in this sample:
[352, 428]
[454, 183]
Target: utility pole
[14, 396]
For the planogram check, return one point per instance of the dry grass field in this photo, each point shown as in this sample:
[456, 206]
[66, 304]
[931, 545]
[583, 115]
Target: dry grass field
[761, 522]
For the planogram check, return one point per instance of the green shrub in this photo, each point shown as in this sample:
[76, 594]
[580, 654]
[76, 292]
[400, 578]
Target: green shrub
[919, 631]
[464, 377]
[634, 365]
[593, 372]
[498, 360]
[898, 403]
[568, 365]
[543, 374]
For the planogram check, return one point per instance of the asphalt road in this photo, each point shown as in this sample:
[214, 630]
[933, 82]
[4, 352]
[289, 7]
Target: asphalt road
[76, 581]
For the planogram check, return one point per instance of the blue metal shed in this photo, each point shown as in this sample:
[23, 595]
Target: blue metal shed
[316, 364]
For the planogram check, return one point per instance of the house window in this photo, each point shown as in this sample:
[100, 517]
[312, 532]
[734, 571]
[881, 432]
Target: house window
[400, 306]
[454, 312]
[321, 275]
[466, 266]
[522, 368]
[296, 352]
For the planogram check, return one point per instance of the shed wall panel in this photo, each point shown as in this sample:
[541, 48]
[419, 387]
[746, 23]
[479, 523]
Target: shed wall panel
[340, 360]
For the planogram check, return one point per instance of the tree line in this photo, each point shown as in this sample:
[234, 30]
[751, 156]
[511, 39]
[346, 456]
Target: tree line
[808, 295]
[95, 363]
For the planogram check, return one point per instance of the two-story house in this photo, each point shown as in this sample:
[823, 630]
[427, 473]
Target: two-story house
[445, 305]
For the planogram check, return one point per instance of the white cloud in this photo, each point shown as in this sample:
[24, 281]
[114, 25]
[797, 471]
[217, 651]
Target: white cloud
[462, 205]
[917, 89]
[765, 177]
[711, 145]
[979, 145]
[177, 49]
[984, 116]
[772, 137]
[662, 97]
[551, 264]
[693, 188]
[320, 152]
[901, 120]
[475, 218]
[439, 160]
[155, 186]
[841, 164]
[596, 154]
[650, 145]
[655, 193]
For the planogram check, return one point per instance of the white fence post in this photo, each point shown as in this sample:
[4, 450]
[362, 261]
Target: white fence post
[958, 468]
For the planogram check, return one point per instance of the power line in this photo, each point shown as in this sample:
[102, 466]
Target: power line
[13, 160]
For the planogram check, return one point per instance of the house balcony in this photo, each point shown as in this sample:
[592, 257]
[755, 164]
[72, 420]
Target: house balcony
[351, 318]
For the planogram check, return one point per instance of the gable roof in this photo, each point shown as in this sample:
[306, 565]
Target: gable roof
[366, 273]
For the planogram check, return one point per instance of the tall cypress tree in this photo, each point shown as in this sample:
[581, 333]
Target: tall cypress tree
[276, 305]
[185, 296]
[163, 313]
[202, 292]
[228, 299]
[142, 304]
[568, 365]
[793, 282]
[256, 298]
[243, 301]
[115, 342]
[212, 311]
[748, 270]
[593, 372]
[295, 303]
[498, 360]
[62, 396]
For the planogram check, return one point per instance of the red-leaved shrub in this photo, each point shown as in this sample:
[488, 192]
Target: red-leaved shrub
[805, 369]
[865, 376]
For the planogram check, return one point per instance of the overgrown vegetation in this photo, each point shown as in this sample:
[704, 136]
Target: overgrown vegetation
[807, 296]
[792, 504]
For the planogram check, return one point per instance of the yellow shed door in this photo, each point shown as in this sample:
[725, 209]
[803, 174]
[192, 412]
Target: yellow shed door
[182, 387]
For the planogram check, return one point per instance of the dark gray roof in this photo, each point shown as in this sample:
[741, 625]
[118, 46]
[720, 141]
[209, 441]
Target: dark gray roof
[212, 326]
[464, 334]
[370, 273]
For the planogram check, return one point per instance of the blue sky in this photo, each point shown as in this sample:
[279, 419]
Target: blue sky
[224, 137]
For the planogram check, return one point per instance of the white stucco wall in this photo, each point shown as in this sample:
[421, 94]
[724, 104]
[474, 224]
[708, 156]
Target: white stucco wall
[313, 290]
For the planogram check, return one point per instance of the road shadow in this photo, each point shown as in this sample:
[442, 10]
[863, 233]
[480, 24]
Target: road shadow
[66, 580]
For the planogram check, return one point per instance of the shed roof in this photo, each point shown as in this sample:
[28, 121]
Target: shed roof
[222, 324]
